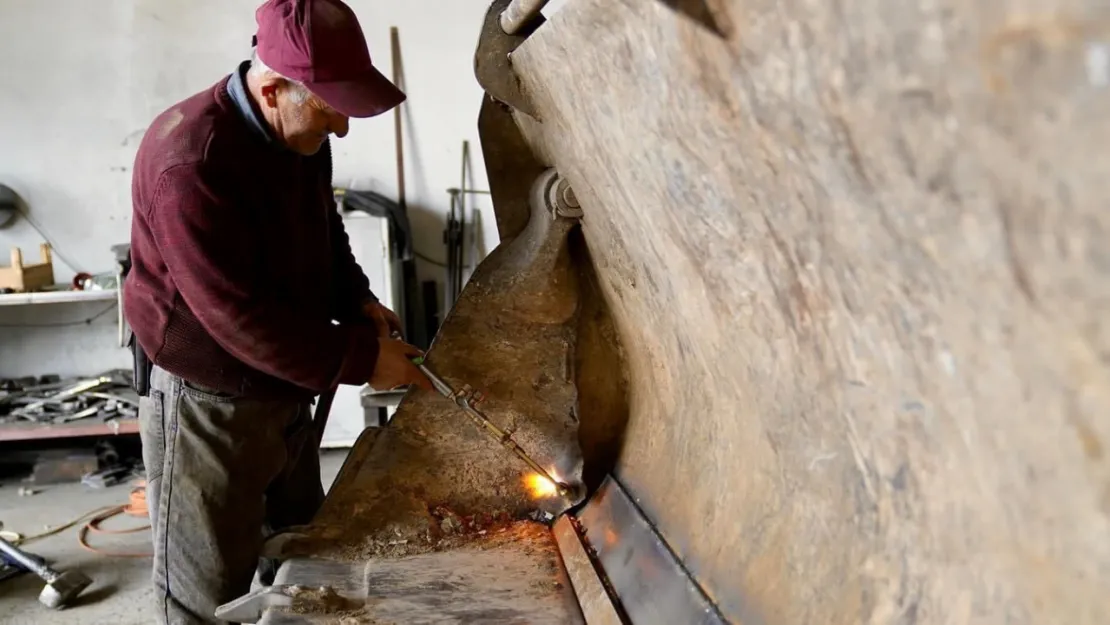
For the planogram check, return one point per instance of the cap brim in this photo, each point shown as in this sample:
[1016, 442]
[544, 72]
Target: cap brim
[366, 96]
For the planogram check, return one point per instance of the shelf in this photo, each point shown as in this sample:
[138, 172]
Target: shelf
[32, 431]
[57, 297]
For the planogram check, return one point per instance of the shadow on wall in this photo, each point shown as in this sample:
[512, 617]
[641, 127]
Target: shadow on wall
[8, 205]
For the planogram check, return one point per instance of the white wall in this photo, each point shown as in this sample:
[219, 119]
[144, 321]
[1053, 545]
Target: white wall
[82, 79]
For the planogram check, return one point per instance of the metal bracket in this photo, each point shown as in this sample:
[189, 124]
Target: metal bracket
[469, 395]
[492, 63]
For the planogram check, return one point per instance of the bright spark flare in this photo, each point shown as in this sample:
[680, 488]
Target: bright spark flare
[539, 486]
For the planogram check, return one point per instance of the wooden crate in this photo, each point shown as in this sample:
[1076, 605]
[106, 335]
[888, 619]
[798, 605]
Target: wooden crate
[20, 277]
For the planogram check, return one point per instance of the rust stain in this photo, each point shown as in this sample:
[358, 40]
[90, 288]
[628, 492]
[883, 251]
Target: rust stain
[781, 298]
[1013, 255]
[798, 304]
[1092, 446]
[727, 26]
[766, 577]
[1056, 587]
[855, 157]
[1048, 32]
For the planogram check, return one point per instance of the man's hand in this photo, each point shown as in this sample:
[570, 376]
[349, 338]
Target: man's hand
[385, 320]
[395, 366]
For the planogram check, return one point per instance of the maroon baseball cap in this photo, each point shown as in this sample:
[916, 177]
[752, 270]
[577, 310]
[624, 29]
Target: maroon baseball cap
[320, 43]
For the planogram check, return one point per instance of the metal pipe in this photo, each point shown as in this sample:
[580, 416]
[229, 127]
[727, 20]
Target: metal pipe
[450, 236]
[519, 12]
[17, 555]
[462, 400]
[483, 422]
[462, 215]
[475, 226]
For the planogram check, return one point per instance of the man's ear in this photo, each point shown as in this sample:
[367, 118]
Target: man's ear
[269, 93]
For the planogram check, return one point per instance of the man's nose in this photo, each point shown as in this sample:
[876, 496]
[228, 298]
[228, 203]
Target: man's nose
[340, 125]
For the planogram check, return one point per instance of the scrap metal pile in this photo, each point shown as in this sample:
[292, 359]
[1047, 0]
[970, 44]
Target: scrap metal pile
[50, 399]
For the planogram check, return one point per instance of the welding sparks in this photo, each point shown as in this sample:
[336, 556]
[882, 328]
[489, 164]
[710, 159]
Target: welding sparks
[539, 486]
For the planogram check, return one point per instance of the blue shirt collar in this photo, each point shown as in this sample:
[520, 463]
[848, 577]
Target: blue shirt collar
[248, 110]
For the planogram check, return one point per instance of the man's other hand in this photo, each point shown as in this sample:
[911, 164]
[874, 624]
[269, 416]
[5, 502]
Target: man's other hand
[385, 320]
[395, 366]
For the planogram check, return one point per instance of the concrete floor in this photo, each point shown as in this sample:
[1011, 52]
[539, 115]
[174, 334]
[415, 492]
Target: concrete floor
[121, 591]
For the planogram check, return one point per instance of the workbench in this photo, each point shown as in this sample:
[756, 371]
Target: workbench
[36, 431]
[68, 332]
[57, 297]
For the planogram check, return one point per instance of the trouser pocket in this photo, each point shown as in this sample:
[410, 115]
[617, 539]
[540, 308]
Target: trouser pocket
[152, 431]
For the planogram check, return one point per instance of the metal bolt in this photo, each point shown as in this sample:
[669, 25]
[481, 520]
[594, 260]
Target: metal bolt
[564, 200]
[569, 197]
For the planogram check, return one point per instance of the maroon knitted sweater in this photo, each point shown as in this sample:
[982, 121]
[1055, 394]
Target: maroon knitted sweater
[240, 262]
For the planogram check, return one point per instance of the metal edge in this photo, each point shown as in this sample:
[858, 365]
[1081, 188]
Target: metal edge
[593, 598]
[649, 580]
[358, 454]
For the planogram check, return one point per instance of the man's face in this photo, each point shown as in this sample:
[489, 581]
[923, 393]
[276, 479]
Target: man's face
[304, 124]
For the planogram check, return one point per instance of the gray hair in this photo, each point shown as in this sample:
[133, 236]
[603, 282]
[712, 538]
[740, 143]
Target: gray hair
[299, 93]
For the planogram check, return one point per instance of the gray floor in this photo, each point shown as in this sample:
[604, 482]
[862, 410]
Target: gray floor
[121, 593]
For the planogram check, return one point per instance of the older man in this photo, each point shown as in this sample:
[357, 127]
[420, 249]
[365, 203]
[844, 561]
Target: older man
[245, 295]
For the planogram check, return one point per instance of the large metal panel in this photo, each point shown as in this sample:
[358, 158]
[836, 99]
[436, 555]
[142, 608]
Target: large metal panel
[856, 254]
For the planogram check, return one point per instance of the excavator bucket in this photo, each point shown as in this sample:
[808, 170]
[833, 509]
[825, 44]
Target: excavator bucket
[811, 299]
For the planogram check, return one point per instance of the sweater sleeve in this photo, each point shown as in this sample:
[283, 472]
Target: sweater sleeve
[352, 288]
[210, 247]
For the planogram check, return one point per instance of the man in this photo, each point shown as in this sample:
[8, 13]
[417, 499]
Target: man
[245, 295]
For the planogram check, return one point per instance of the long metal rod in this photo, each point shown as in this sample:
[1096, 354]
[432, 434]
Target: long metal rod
[475, 228]
[462, 400]
[450, 234]
[462, 215]
[519, 12]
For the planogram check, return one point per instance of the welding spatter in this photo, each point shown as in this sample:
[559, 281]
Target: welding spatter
[465, 398]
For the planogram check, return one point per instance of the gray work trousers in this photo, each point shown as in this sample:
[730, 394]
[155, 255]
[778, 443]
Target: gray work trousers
[221, 471]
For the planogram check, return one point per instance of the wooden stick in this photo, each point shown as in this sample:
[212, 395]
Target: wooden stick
[398, 138]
